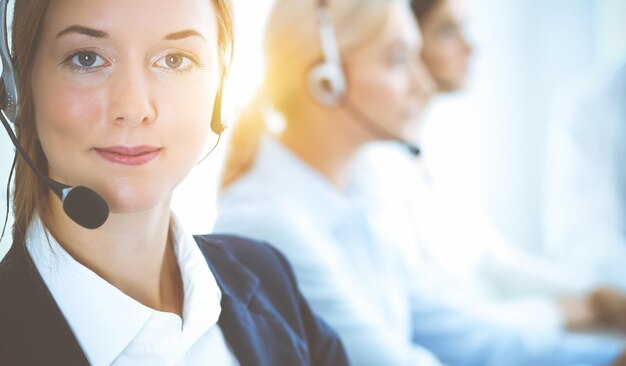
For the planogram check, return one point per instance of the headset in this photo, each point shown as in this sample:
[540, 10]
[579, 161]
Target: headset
[81, 204]
[328, 83]
[218, 122]
[9, 99]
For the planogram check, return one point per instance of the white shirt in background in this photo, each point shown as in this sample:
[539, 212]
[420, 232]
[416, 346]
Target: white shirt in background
[450, 240]
[354, 275]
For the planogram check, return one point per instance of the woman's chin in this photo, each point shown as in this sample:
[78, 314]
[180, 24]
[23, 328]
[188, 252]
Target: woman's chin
[134, 201]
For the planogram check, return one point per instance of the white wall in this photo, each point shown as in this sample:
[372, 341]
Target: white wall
[610, 30]
[489, 140]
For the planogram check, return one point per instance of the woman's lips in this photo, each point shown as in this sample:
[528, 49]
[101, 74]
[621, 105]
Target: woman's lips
[132, 156]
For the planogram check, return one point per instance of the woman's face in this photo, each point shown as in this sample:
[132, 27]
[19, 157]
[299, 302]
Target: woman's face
[123, 93]
[446, 52]
[386, 78]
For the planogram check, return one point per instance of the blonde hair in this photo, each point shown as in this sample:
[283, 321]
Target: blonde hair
[291, 48]
[30, 195]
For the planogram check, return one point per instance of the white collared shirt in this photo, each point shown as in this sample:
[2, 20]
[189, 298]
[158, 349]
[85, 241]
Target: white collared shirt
[115, 329]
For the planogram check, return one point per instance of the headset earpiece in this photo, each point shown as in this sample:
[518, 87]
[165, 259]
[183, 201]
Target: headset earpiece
[327, 84]
[217, 123]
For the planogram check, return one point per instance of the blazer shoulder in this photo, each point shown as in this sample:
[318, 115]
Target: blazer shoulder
[13, 271]
[249, 270]
[259, 257]
[238, 262]
[7, 284]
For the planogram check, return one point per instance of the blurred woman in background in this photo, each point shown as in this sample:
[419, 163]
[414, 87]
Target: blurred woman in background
[452, 242]
[446, 52]
[340, 74]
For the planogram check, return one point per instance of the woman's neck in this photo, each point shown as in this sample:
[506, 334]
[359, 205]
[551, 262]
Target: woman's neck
[130, 251]
[329, 153]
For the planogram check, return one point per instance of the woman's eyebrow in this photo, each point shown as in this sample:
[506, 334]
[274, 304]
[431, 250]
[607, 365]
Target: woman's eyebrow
[95, 33]
[183, 34]
[83, 30]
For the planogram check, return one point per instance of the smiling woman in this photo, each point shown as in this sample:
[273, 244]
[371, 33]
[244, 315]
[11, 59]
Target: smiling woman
[113, 96]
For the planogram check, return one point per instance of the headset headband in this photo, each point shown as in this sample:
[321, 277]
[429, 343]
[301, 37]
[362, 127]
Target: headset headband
[327, 82]
[327, 34]
[9, 106]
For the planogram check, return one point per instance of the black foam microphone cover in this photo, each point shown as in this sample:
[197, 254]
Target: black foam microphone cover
[413, 149]
[85, 207]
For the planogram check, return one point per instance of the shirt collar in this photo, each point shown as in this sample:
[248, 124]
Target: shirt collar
[202, 295]
[104, 319]
[325, 202]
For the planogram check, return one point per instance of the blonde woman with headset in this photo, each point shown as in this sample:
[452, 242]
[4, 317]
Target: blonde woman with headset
[342, 73]
[453, 243]
[113, 111]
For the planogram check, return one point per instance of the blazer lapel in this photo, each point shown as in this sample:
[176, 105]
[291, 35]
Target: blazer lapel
[33, 331]
[254, 332]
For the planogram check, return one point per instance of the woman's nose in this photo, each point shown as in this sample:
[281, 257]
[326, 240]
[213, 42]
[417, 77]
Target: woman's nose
[423, 83]
[468, 48]
[131, 102]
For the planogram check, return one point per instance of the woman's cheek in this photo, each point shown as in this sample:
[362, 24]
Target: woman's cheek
[67, 118]
[72, 106]
[193, 126]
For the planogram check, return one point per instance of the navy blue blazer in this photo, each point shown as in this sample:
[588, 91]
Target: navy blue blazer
[265, 320]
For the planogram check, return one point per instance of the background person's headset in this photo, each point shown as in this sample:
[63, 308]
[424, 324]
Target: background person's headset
[81, 204]
[327, 81]
[328, 84]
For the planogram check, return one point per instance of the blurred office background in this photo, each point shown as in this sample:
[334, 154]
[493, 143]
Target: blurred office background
[486, 142]
[489, 140]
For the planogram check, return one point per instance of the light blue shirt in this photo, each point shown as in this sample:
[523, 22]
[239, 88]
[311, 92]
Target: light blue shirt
[354, 278]
[454, 245]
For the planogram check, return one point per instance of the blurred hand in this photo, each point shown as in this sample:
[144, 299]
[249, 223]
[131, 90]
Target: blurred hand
[621, 361]
[609, 307]
[578, 312]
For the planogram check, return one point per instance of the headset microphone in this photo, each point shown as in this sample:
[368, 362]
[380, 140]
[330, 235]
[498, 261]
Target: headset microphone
[81, 204]
[328, 84]
[377, 130]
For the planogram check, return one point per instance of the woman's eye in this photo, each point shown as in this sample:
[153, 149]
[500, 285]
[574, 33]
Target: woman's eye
[173, 61]
[399, 59]
[176, 62]
[447, 31]
[87, 60]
